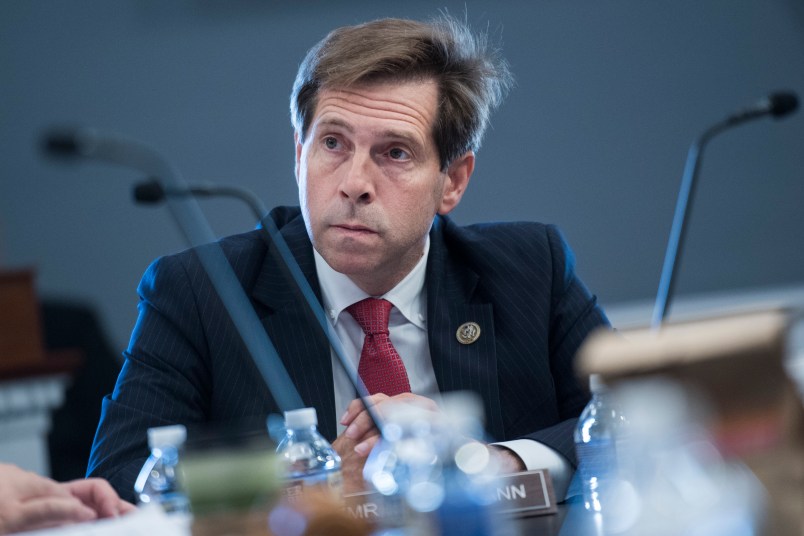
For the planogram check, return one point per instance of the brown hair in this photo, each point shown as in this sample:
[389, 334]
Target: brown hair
[472, 78]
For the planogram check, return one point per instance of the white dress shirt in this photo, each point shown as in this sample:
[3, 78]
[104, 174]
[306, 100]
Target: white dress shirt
[408, 332]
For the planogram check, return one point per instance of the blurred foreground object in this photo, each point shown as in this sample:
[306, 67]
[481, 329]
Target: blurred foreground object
[229, 473]
[433, 472]
[749, 413]
[319, 514]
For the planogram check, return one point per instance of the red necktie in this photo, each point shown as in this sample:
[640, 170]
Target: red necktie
[380, 368]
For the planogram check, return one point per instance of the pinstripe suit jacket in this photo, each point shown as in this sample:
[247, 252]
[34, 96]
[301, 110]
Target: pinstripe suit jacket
[186, 364]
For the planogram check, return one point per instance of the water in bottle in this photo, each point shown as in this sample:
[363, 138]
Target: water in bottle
[434, 473]
[600, 427]
[158, 481]
[306, 458]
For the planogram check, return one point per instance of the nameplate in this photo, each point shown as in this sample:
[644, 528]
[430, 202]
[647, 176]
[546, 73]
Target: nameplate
[525, 494]
[372, 506]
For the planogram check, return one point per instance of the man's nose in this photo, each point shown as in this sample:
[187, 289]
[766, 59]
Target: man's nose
[358, 183]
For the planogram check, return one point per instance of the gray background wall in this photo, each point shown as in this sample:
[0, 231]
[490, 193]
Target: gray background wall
[609, 96]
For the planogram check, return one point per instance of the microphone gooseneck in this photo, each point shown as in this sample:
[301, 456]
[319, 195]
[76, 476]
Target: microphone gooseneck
[90, 144]
[777, 105]
[152, 191]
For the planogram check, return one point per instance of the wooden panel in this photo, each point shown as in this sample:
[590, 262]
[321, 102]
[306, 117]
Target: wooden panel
[20, 327]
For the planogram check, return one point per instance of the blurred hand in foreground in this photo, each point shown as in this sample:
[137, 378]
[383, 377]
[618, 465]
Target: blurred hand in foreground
[29, 501]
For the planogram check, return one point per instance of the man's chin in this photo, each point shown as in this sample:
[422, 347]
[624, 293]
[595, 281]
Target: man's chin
[353, 267]
[350, 256]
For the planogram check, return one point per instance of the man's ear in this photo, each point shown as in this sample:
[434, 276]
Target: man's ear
[458, 174]
[298, 155]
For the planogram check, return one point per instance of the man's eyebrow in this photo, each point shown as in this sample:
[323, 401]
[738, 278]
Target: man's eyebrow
[334, 122]
[394, 134]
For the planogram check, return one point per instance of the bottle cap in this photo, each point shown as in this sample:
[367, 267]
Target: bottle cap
[596, 384]
[161, 436]
[301, 418]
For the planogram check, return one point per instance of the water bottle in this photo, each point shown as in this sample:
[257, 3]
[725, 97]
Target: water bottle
[158, 482]
[600, 427]
[470, 506]
[405, 468]
[433, 475]
[307, 459]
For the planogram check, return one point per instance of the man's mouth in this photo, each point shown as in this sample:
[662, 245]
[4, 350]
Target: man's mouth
[353, 228]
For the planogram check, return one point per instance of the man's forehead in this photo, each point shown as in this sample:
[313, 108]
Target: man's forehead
[387, 106]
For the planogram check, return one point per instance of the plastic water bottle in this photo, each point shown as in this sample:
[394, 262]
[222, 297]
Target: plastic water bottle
[405, 468]
[470, 472]
[307, 458]
[600, 427]
[158, 482]
[433, 475]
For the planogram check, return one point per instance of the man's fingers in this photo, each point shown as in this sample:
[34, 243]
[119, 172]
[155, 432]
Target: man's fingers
[97, 494]
[351, 464]
[416, 400]
[125, 507]
[46, 512]
[364, 447]
[26, 485]
[358, 422]
[356, 407]
[360, 427]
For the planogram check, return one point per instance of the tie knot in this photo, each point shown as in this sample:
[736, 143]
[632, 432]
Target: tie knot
[371, 314]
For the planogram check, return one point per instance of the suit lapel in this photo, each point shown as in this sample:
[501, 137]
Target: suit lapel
[305, 351]
[293, 329]
[451, 302]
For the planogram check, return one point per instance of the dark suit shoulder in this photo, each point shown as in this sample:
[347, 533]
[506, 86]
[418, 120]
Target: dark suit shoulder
[519, 236]
[244, 251]
[510, 249]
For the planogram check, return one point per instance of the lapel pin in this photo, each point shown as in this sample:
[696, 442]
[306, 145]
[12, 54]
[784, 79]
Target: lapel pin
[468, 333]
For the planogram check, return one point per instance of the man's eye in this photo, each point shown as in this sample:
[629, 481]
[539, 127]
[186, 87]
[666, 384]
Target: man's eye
[398, 154]
[330, 142]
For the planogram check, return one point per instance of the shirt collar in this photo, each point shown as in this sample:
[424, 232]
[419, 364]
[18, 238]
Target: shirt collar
[408, 296]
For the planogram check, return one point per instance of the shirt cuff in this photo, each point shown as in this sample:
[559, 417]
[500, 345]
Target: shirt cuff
[535, 455]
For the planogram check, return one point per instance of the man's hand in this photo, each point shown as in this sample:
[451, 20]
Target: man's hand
[507, 461]
[360, 436]
[29, 501]
[97, 494]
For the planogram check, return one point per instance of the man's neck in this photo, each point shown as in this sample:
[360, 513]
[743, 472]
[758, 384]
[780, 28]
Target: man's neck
[340, 291]
[373, 287]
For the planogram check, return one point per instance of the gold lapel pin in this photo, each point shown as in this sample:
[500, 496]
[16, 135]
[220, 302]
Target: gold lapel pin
[468, 333]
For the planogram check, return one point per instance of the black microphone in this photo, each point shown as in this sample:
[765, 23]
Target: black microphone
[88, 143]
[777, 105]
[152, 191]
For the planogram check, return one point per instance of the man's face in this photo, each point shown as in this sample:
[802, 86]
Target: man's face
[370, 181]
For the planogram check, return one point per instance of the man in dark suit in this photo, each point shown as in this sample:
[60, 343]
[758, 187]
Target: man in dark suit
[388, 116]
